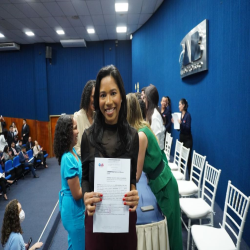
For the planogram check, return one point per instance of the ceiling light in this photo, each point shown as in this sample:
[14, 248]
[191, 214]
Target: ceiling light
[120, 7]
[1, 35]
[131, 37]
[29, 33]
[121, 29]
[91, 31]
[60, 32]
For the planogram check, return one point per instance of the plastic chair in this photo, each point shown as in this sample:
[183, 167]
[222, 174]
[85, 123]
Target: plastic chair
[202, 207]
[181, 174]
[30, 153]
[192, 187]
[168, 146]
[166, 140]
[234, 217]
[177, 155]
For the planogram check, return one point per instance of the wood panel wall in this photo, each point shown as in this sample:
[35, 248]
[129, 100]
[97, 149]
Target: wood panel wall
[39, 131]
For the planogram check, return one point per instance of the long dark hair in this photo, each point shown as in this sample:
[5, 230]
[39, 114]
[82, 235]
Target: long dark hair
[185, 103]
[96, 130]
[11, 221]
[152, 96]
[63, 136]
[169, 100]
[86, 94]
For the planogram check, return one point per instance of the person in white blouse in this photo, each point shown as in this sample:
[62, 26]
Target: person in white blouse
[3, 142]
[85, 116]
[15, 130]
[38, 154]
[153, 116]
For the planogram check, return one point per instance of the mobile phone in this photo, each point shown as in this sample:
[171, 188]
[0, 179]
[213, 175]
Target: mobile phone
[30, 240]
[147, 208]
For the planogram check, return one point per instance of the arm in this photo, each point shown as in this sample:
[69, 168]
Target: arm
[75, 188]
[36, 245]
[143, 144]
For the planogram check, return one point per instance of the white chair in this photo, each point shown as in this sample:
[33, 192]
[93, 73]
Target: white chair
[203, 207]
[181, 174]
[192, 187]
[234, 217]
[174, 166]
[167, 149]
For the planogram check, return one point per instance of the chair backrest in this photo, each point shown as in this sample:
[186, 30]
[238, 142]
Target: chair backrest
[198, 162]
[235, 211]
[184, 160]
[30, 153]
[8, 166]
[16, 161]
[166, 140]
[177, 152]
[210, 184]
[167, 151]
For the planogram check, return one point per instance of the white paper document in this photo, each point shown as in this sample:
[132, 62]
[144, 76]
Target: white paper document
[176, 116]
[112, 179]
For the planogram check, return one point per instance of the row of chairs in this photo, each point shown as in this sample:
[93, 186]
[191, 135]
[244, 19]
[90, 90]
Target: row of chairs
[15, 170]
[202, 206]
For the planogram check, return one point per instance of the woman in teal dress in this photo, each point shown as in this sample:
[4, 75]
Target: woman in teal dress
[70, 197]
[161, 181]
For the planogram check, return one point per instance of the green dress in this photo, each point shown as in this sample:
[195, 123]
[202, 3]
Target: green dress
[165, 189]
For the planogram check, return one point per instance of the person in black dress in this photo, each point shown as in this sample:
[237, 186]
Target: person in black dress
[110, 136]
[185, 129]
[166, 112]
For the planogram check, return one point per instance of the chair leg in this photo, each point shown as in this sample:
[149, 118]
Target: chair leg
[189, 228]
[192, 244]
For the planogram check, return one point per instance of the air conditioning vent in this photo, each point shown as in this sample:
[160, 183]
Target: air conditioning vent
[9, 46]
[73, 43]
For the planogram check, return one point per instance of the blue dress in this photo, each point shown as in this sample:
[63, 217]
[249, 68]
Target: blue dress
[72, 211]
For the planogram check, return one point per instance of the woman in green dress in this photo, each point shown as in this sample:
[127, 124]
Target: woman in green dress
[161, 181]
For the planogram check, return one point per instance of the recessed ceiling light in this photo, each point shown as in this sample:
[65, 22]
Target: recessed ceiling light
[29, 33]
[119, 7]
[91, 31]
[1, 35]
[121, 29]
[60, 32]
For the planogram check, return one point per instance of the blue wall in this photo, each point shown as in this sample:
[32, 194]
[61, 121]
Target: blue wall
[34, 88]
[219, 98]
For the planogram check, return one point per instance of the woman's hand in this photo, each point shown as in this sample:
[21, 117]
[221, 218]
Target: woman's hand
[131, 199]
[36, 245]
[89, 199]
[172, 120]
[179, 121]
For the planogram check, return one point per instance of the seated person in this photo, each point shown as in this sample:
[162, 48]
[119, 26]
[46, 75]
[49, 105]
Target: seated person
[29, 144]
[19, 146]
[3, 182]
[7, 154]
[1, 160]
[13, 149]
[24, 159]
[38, 153]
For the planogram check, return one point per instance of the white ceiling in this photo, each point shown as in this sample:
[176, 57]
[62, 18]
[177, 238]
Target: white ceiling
[44, 17]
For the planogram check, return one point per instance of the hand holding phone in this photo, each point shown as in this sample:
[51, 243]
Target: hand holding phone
[29, 243]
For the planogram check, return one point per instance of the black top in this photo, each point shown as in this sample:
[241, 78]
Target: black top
[110, 142]
[167, 115]
[185, 126]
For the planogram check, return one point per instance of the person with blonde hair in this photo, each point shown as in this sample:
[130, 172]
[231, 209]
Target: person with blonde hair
[161, 180]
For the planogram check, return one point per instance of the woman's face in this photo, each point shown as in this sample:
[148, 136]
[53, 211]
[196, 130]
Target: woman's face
[181, 106]
[164, 102]
[75, 133]
[91, 101]
[110, 100]
[36, 143]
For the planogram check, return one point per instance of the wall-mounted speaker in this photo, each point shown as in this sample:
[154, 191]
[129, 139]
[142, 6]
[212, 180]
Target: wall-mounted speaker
[48, 52]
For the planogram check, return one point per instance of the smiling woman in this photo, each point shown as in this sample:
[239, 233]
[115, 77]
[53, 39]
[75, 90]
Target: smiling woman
[110, 136]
